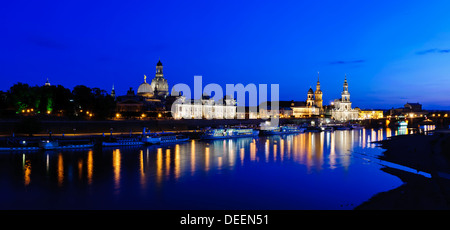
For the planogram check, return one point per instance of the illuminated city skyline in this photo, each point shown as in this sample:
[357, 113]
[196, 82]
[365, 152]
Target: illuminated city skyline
[392, 53]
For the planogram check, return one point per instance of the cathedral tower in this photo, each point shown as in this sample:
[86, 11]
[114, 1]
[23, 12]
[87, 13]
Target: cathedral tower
[318, 94]
[345, 94]
[310, 98]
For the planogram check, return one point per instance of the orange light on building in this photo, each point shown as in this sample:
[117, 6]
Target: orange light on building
[117, 115]
[159, 115]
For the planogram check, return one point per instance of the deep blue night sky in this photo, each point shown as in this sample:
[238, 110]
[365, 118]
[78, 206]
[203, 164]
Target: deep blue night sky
[392, 52]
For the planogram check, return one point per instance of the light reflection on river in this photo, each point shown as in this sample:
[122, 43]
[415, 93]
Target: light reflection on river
[303, 171]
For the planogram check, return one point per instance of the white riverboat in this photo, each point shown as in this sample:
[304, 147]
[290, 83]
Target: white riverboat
[122, 142]
[162, 138]
[213, 134]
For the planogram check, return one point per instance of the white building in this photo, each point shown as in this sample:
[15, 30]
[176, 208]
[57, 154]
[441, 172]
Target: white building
[343, 107]
[204, 108]
[308, 108]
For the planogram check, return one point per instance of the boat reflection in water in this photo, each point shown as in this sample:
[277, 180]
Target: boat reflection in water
[299, 171]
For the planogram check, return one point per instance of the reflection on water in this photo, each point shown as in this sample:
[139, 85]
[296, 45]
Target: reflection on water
[186, 166]
[116, 167]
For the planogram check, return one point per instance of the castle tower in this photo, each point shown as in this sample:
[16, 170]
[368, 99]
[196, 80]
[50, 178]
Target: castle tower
[310, 98]
[318, 94]
[345, 94]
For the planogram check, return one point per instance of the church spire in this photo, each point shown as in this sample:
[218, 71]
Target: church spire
[345, 83]
[318, 94]
[113, 92]
[159, 69]
[318, 84]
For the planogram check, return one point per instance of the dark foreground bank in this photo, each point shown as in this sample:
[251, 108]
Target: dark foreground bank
[427, 153]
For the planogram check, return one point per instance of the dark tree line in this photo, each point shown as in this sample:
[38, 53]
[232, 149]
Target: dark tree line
[81, 102]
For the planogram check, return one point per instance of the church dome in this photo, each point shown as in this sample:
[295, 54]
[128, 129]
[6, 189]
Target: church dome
[160, 85]
[145, 89]
[310, 90]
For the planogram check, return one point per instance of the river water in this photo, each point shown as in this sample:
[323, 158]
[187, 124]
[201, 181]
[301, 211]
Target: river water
[326, 170]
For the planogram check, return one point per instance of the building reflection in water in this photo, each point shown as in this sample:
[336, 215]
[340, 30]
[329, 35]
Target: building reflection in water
[167, 169]
[192, 157]
[282, 149]
[207, 159]
[159, 163]
[90, 166]
[26, 165]
[80, 169]
[332, 156]
[241, 155]
[316, 151]
[177, 161]
[116, 160]
[142, 169]
[60, 169]
[253, 150]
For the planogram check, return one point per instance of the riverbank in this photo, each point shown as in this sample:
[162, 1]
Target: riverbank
[68, 127]
[427, 153]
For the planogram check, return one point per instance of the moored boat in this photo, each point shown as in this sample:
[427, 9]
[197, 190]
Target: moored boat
[49, 145]
[151, 139]
[162, 138]
[173, 138]
[19, 148]
[356, 126]
[280, 130]
[122, 142]
[213, 134]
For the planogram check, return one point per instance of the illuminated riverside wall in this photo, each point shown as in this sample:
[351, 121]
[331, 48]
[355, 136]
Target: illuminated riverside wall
[71, 127]
[8, 127]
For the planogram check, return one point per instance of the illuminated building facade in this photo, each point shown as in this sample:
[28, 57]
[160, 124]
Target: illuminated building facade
[152, 97]
[308, 108]
[342, 110]
[206, 108]
[370, 114]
